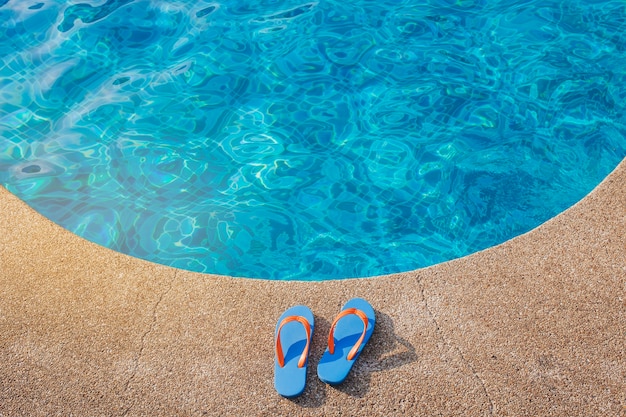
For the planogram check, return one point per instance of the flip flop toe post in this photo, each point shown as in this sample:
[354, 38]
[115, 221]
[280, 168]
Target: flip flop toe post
[294, 331]
[349, 333]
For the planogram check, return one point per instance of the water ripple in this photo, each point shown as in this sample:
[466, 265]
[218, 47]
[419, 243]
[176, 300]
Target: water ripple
[285, 139]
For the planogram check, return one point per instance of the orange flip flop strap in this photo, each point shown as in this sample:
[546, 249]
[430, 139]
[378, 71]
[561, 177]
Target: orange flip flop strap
[331, 336]
[279, 350]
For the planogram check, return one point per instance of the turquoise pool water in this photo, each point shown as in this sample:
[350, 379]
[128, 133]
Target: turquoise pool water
[308, 140]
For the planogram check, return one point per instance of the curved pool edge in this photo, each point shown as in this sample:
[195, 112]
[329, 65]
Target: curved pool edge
[529, 327]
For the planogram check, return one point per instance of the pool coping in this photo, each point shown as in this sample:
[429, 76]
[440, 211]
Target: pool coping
[534, 326]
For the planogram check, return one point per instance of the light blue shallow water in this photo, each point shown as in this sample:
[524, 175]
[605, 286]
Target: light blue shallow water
[291, 140]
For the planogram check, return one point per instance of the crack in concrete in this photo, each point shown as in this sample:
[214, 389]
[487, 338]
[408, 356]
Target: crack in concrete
[143, 340]
[455, 347]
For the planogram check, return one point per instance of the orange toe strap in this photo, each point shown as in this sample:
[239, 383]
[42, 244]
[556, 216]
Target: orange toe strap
[331, 336]
[279, 349]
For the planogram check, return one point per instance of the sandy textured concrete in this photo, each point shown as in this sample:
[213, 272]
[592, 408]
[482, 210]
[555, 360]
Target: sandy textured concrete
[533, 327]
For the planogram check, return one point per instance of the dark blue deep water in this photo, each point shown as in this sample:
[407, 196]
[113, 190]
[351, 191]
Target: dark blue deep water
[308, 140]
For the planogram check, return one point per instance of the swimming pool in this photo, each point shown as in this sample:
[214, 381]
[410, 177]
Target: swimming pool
[308, 140]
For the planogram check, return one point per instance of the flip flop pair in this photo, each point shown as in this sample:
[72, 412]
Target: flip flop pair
[349, 333]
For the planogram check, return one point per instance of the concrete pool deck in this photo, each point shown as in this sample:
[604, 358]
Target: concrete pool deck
[533, 327]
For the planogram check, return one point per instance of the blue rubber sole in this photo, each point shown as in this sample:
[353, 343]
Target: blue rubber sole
[334, 368]
[290, 380]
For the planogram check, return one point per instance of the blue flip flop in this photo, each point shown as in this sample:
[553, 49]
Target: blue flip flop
[348, 335]
[294, 331]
